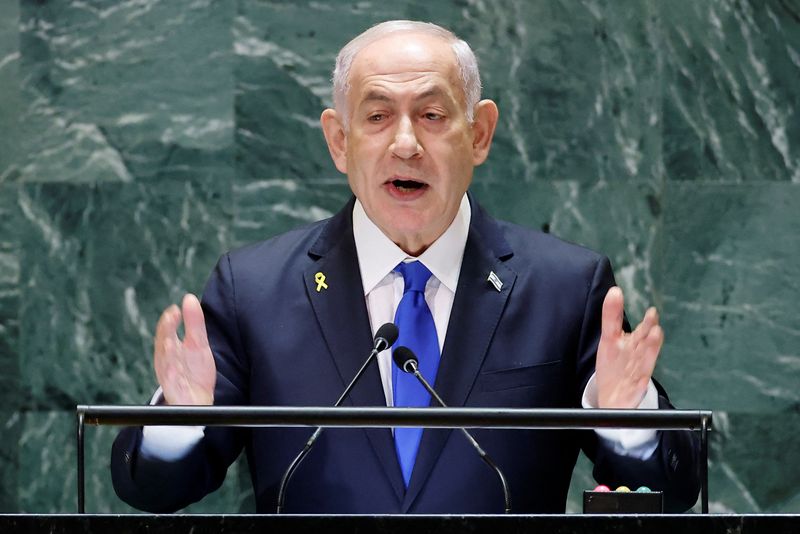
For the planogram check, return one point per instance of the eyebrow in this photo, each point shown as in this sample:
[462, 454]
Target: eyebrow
[376, 96]
[433, 91]
[380, 96]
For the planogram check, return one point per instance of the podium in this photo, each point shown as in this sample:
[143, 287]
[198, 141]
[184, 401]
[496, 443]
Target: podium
[395, 524]
[368, 417]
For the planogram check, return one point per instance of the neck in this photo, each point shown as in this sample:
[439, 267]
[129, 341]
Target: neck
[413, 249]
[415, 244]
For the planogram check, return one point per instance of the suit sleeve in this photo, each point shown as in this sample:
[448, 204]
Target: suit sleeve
[674, 466]
[160, 486]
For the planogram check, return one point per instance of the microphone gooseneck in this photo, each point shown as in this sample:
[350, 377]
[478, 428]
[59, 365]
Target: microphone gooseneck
[384, 338]
[407, 361]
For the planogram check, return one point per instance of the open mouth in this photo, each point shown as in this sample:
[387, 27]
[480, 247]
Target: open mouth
[408, 185]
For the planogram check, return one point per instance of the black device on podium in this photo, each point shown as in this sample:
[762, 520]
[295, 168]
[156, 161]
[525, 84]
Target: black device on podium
[623, 502]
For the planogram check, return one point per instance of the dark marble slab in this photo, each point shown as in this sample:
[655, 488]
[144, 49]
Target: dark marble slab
[578, 85]
[113, 90]
[47, 478]
[102, 298]
[730, 284]
[730, 275]
[741, 482]
[730, 101]
[9, 89]
[284, 176]
[10, 398]
[630, 213]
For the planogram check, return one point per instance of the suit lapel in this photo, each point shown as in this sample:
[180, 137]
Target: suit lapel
[341, 312]
[476, 312]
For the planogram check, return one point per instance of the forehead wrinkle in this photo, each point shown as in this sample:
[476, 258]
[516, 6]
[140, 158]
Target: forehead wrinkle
[376, 59]
[435, 90]
[429, 91]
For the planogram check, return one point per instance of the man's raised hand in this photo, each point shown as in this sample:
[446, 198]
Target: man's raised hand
[185, 368]
[625, 361]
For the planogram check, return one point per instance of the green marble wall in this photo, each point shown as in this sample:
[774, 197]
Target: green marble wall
[141, 139]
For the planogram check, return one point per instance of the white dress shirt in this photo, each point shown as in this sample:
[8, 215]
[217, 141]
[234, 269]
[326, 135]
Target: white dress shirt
[383, 289]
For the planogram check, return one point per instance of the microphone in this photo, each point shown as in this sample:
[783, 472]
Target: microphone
[406, 360]
[384, 338]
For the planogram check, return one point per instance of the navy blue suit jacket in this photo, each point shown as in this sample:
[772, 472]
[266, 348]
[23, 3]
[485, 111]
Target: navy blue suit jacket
[278, 341]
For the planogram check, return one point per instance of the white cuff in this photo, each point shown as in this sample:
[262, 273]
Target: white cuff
[640, 443]
[168, 443]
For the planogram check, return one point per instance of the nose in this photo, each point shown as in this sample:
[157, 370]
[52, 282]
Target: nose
[405, 145]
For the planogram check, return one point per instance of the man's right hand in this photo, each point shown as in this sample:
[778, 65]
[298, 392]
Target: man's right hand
[185, 369]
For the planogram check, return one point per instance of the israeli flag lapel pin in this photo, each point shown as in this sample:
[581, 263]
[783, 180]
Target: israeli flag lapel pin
[495, 281]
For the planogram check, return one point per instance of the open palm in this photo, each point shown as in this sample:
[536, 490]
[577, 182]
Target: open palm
[185, 368]
[625, 361]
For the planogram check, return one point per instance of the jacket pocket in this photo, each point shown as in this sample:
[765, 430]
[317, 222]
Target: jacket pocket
[519, 377]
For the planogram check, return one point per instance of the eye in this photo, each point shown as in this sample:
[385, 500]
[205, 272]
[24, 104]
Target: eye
[433, 116]
[376, 117]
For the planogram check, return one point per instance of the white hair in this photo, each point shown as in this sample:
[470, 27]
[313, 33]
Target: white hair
[465, 59]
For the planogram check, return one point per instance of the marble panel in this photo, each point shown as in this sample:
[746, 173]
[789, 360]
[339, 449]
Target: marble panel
[284, 175]
[754, 461]
[731, 276]
[617, 219]
[9, 258]
[578, 87]
[9, 89]
[112, 87]
[731, 90]
[9, 343]
[98, 266]
[48, 470]
[582, 480]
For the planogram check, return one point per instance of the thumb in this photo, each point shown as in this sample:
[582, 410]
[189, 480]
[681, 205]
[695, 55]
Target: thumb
[193, 321]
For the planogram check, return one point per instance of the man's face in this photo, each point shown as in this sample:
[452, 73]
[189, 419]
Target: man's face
[408, 153]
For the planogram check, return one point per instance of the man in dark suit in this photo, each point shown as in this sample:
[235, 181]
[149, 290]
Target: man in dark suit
[521, 319]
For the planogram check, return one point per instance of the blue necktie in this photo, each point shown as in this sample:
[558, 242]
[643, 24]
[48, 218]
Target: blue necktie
[417, 332]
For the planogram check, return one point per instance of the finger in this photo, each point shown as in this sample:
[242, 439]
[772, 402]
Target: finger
[167, 328]
[613, 306]
[650, 319]
[655, 340]
[166, 343]
[194, 322]
[649, 351]
[642, 329]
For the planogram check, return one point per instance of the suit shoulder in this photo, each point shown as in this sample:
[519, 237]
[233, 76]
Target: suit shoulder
[290, 247]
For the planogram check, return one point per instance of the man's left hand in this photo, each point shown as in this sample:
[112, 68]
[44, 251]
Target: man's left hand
[625, 361]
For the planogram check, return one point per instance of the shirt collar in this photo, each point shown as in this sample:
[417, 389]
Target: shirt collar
[378, 255]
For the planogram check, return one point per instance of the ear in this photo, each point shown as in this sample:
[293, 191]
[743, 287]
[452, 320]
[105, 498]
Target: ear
[333, 129]
[483, 125]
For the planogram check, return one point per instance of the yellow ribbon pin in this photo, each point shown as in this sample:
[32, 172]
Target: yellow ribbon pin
[319, 278]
